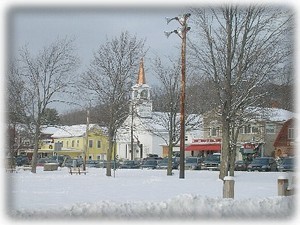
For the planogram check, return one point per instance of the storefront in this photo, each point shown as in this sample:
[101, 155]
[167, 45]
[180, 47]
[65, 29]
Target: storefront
[203, 147]
[252, 150]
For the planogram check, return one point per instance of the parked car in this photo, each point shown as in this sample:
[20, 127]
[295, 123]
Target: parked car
[104, 163]
[211, 162]
[70, 163]
[287, 164]
[91, 163]
[42, 161]
[149, 164]
[240, 165]
[193, 163]
[79, 161]
[130, 164]
[60, 159]
[263, 164]
[163, 164]
[152, 157]
[22, 160]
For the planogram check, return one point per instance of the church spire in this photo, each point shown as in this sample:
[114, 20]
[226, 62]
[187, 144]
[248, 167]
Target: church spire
[141, 76]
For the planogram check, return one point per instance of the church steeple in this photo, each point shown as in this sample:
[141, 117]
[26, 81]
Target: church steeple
[141, 98]
[141, 76]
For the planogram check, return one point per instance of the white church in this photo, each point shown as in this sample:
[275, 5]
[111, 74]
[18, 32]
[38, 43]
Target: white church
[144, 131]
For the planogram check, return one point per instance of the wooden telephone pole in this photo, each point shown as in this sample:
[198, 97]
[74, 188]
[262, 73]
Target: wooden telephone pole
[182, 34]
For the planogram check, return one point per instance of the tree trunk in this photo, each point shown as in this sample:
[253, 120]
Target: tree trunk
[35, 150]
[169, 171]
[225, 149]
[232, 161]
[109, 154]
[235, 135]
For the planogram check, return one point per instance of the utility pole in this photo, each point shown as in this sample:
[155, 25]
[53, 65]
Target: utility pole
[181, 32]
[131, 132]
[86, 138]
[115, 148]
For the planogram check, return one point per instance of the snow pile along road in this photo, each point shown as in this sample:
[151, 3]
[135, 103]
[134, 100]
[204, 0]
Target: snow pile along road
[144, 194]
[181, 207]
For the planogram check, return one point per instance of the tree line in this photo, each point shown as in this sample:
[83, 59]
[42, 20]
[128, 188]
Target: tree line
[236, 57]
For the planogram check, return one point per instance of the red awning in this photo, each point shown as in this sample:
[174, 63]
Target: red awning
[203, 147]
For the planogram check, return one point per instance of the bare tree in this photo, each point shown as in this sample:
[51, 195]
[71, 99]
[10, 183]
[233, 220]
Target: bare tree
[15, 115]
[109, 80]
[169, 95]
[45, 77]
[15, 95]
[200, 94]
[240, 48]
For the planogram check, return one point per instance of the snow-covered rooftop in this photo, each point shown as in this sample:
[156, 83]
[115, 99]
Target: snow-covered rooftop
[49, 130]
[271, 114]
[75, 130]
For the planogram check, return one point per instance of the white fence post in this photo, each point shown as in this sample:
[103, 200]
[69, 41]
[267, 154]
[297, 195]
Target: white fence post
[283, 183]
[228, 187]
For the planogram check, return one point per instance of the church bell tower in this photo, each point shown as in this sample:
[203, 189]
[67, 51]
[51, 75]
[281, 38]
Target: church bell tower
[141, 102]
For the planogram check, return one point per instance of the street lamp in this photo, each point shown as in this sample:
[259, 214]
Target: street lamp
[181, 32]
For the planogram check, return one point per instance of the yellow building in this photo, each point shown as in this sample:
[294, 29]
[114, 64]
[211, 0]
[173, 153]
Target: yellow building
[71, 140]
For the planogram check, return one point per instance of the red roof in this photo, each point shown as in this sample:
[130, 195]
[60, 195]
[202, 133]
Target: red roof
[282, 137]
[204, 147]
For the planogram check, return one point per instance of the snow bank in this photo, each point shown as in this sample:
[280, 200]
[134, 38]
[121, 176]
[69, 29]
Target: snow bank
[144, 194]
[185, 206]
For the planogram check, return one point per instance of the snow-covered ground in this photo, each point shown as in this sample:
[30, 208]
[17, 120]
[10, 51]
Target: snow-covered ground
[144, 194]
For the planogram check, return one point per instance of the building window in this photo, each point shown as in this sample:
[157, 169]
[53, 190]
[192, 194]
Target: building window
[291, 133]
[98, 144]
[215, 131]
[73, 143]
[270, 128]
[247, 129]
[144, 94]
[77, 143]
[241, 130]
[254, 130]
[90, 143]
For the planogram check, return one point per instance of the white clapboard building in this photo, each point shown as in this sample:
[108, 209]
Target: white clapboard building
[144, 130]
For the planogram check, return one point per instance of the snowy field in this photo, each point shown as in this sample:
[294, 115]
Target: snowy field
[144, 194]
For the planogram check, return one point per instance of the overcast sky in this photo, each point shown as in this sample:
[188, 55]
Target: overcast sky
[38, 27]
[91, 26]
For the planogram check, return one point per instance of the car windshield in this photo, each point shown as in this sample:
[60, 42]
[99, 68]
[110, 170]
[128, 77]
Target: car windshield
[42, 160]
[191, 160]
[260, 160]
[288, 161]
[213, 158]
[150, 162]
[128, 162]
[165, 160]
